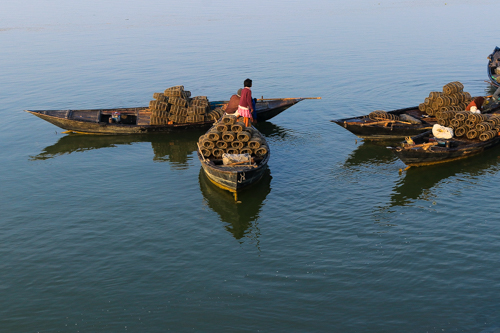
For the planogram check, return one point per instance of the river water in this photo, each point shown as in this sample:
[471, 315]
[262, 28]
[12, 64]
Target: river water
[124, 233]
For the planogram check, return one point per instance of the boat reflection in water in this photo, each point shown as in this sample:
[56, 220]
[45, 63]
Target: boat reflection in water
[242, 213]
[270, 130]
[417, 182]
[369, 153]
[177, 148]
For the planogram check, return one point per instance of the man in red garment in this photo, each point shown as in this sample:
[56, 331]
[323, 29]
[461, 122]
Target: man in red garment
[245, 108]
[476, 102]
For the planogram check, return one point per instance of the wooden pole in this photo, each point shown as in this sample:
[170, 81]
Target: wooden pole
[280, 99]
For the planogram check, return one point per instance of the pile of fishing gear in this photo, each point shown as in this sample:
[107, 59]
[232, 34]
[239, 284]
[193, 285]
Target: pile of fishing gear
[176, 106]
[231, 136]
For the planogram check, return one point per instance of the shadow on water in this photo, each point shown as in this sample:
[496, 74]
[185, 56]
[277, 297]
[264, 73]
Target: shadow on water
[169, 147]
[369, 153]
[418, 180]
[242, 215]
[271, 130]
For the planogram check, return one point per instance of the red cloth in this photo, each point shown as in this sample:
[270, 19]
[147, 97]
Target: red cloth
[477, 102]
[232, 106]
[246, 98]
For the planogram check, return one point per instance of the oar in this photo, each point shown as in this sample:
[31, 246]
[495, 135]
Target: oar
[201, 153]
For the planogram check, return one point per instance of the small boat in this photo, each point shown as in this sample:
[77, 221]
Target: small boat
[494, 67]
[390, 130]
[233, 168]
[425, 149]
[233, 178]
[373, 130]
[136, 120]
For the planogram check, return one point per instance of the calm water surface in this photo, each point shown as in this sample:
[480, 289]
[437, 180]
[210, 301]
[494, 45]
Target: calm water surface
[112, 234]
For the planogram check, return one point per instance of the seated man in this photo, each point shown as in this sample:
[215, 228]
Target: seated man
[476, 104]
[232, 106]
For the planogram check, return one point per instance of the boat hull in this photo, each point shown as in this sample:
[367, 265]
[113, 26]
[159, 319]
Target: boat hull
[360, 126]
[233, 179]
[89, 121]
[434, 155]
[492, 67]
[107, 128]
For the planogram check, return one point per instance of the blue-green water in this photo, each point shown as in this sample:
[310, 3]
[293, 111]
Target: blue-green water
[110, 234]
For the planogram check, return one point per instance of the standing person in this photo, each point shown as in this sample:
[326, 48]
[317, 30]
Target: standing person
[234, 101]
[245, 108]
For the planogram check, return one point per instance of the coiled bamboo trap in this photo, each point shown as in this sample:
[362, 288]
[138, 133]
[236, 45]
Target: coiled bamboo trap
[487, 135]
[484, 126]
[462, 115]
[244, 136]
[237, 144]
[379, 115]
[217, 152]
[452, 88]
[246, 150]
[233, 151]
[222, 128]
[255, 142]
[455, 123]
[494, 119]
[222, 144]
[261, 151]
[208, 144]
[228, 120]
[435, 94]
[228, 136]
[460, 131]
[472, 134]
[214, 135]
[206, 152]
[237, 127]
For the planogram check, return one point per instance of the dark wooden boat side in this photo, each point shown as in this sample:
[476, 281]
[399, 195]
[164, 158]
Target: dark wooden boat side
[360, 126]
[233, 178]
[95, 120]
[454, 149]
[491, 68]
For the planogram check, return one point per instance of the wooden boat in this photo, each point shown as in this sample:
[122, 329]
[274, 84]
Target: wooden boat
[136, 120]
[493, 65]
[427, 150]
[368, 129]
[390, 130]
[234, 176]
[241, 219]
